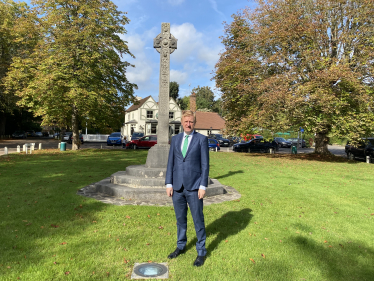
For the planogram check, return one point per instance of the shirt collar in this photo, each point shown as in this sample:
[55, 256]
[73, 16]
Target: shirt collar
[190, 135]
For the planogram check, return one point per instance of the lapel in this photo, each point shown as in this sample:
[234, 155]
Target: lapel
[179, 143]
[193, 142]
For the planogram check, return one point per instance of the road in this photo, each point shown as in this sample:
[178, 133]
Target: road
[48, 143]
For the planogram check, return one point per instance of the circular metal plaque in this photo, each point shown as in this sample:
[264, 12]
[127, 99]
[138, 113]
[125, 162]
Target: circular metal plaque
[150, 270]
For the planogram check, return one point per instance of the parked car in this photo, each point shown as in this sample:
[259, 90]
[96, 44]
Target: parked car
[233, 140]
[282, 142]
[221, 140]
[144, 142]
[39, 134]
[248, 137]
[213, 145]
[114, 139]
[70, 139]
[31, 133]
[136, 135]
[294, 141]
[19, 135]
[364, 148]
[255, 145]
[66, 136]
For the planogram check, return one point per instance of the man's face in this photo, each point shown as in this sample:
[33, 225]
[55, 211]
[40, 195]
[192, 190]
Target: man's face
[188, 124]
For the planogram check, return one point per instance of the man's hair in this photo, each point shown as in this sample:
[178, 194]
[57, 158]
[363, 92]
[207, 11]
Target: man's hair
[188, 113]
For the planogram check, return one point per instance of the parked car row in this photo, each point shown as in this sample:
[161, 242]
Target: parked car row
[364, 149]
[221, 140]
[256, 145]
[25, 134]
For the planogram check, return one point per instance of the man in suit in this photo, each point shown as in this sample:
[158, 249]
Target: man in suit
[186, 180]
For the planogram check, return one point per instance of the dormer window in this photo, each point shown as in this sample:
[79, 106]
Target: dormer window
[171, 115]
[149, 114]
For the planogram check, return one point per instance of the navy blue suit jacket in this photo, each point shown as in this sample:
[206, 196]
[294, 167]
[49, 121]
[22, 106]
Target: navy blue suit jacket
[192, 170]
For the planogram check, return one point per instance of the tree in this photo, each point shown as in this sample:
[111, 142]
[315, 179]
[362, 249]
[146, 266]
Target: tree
[184, 103]
[174, 90]
[204, 97]
[75, 72]
[10, 13]
[300, 63]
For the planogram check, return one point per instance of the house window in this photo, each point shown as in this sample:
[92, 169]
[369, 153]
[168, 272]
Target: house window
[149, 114]
[177, 129]
[171, 115]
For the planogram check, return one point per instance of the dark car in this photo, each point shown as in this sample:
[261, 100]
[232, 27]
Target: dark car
[213, 145]
[31, 133]
[114, 139]
[221, 140]
[70, 139]
[294, 141]
[19, 134]
[282, 142]
[144, 142]
[255, 145]
[136, 135]
[364, 148]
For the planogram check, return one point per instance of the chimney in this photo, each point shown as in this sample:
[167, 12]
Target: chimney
[193, 102]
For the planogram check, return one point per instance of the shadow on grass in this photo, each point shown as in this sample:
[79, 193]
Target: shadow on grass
[228, 225]
[342, 262]
[305, 157]
[229, 174]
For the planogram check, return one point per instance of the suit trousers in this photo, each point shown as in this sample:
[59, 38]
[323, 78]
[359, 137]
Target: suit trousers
[180, 200]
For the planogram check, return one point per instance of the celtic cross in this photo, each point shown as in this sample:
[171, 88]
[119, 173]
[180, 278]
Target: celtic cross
[164, 43]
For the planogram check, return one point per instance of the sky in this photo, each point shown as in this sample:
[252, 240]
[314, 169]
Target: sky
[197, 24]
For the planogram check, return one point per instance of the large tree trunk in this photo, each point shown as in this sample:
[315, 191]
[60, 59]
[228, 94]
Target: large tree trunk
[74, 126]
[321, 141]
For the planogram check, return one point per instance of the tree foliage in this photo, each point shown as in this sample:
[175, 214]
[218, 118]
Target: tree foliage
[300, 63]
[75, 72]
[184, 103]
[204, 97]
[10, 13]
[174, 90]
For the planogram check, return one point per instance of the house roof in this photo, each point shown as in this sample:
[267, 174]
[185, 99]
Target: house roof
[137, 104]
[207, 120]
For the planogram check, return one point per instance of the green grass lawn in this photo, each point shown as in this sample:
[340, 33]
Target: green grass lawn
[300, 217]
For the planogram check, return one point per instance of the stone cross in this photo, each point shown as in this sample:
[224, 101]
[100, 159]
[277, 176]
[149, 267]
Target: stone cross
[165, 44]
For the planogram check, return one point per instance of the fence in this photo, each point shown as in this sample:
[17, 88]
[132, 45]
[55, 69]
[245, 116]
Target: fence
[95, 138]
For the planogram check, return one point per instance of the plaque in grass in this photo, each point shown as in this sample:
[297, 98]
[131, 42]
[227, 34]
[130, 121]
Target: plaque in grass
[150, 271]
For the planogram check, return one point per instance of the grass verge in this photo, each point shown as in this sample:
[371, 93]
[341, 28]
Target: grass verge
[300, 217]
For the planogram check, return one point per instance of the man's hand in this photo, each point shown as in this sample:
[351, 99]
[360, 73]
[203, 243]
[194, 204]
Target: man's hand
[201, 193]
[169, 191]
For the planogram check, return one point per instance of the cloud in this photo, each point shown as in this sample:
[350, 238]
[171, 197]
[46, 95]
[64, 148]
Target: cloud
[178, 76]
[142, 72]
[194, 45]
[175, 2]
[215, 8]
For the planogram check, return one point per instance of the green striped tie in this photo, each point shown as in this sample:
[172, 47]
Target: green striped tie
[184, 150]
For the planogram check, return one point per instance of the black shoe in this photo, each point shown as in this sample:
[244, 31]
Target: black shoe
[199, 261]
[176, 253]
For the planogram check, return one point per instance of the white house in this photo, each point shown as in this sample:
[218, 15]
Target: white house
[142, 117]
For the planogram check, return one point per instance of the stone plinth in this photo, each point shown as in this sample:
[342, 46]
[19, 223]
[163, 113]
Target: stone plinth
[143, 183]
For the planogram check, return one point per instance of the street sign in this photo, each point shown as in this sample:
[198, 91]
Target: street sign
[301, 130]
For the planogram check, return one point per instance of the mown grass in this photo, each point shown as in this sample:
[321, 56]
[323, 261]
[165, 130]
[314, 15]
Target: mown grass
[300, 217]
